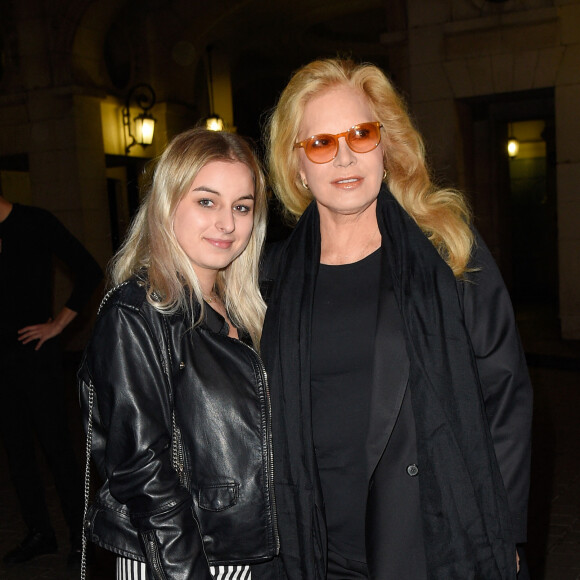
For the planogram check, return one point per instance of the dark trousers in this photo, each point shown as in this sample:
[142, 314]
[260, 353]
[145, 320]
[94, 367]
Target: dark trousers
[32, 405]
[340, 568]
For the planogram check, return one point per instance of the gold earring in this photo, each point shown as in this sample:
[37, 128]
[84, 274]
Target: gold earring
[304, 184]
[384, 174]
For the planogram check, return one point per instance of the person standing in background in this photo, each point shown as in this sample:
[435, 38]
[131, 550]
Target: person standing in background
[32, 401]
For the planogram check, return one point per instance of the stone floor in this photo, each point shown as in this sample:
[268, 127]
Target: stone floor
[554, 522]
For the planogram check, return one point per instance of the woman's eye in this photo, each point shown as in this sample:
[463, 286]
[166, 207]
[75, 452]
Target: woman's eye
[205, 202]
[243, 208]
[321, 142]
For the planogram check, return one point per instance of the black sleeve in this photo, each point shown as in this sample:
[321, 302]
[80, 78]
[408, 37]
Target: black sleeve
[504, 377]
[269, 264]
[126, 365]
[86, 273]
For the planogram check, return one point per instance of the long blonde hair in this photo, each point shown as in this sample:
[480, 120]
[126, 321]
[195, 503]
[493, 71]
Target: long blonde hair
[151, 244]
[442, 213]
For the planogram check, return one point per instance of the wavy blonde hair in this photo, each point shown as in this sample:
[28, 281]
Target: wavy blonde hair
[441, 213]
[151, 244]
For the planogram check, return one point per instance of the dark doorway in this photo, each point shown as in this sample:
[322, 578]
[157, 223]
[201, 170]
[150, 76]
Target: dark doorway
[533, 213]
[514, 198]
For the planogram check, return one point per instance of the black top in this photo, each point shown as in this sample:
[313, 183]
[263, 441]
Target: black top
[29, 239]
[343, 334]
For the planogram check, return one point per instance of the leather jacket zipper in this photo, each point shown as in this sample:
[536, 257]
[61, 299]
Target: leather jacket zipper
[269, 444]
[154, 558]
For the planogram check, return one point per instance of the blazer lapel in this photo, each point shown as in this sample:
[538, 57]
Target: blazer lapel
[390, 370]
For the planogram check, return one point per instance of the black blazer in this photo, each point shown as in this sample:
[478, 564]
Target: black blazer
[410, 397]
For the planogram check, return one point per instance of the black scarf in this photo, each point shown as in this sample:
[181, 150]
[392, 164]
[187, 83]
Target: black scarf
[466, 519]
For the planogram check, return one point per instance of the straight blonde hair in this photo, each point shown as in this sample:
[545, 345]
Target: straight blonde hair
[441, 213]
[151, 250]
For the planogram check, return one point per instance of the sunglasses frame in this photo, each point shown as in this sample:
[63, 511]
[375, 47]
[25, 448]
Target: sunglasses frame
[336, 137]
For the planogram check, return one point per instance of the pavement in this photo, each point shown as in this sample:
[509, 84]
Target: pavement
[553, 548]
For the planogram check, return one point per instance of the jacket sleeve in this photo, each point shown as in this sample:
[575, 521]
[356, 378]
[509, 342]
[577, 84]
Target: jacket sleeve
[132, 394]
[86, 272]
[504, 378]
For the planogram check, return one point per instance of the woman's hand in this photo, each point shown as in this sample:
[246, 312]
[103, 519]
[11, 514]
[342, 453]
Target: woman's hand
[40, 332]
[47, 330]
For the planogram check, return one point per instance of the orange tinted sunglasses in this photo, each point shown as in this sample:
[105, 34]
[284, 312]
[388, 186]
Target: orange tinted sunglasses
[361, 138]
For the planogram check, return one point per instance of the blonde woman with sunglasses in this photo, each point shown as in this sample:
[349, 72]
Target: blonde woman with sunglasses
[401, 398]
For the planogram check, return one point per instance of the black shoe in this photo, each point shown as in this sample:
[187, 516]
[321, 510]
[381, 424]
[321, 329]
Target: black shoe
[35, 544]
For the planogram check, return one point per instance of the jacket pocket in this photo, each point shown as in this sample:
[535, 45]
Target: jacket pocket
[218, 497]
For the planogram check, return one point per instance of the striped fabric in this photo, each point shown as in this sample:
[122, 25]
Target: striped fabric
[132, 570]
[231, 572]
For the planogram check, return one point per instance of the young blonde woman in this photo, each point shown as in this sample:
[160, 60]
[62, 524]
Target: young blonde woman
[174, 394]
[401, 399]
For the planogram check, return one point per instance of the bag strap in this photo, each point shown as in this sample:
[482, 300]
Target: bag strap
[177, 454]
[87, 485]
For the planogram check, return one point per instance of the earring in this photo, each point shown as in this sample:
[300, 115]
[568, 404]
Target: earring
[304, 184]
[384, 174]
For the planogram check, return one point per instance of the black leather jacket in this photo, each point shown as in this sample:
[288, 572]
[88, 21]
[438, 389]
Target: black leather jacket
[141, 365]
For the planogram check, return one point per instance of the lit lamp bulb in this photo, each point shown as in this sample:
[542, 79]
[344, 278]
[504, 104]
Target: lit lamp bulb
[513, 146]
[144, 129]
[214, 123]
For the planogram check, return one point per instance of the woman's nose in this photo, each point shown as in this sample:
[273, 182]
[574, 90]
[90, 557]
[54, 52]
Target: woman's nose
[226, 222]
[345, 155]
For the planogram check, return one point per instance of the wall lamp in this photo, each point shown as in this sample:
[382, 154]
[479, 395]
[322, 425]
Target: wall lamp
[142, 127]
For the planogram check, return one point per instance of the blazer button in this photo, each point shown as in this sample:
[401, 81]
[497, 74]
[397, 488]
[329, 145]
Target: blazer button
[181, 365]
[412, 470]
